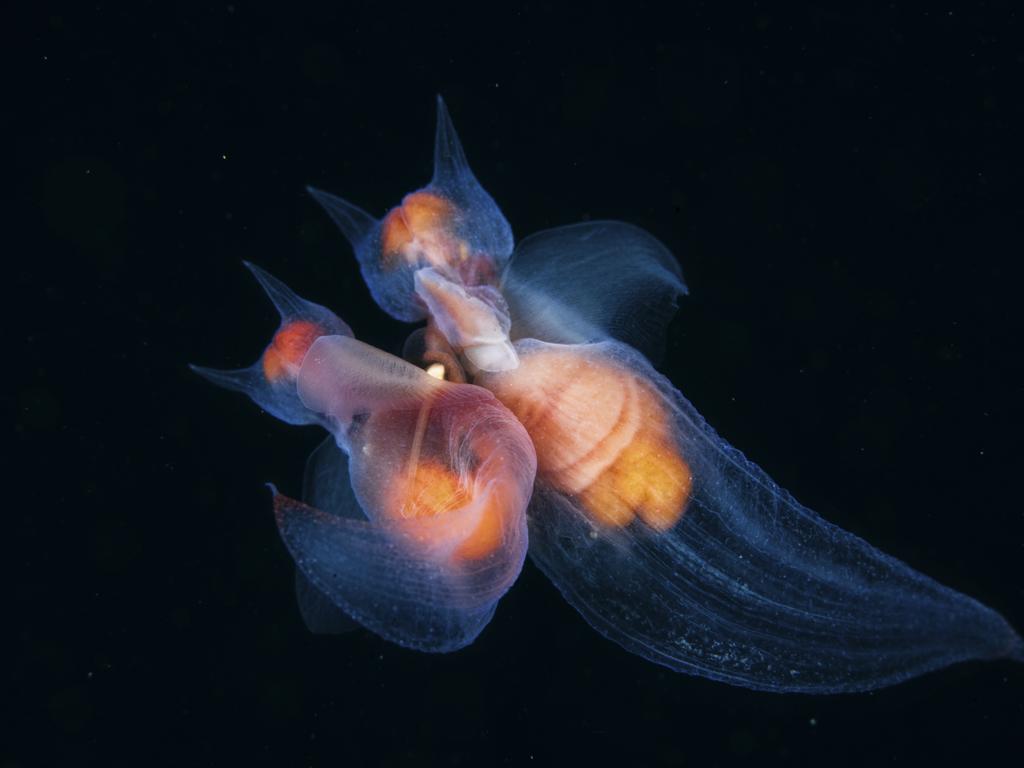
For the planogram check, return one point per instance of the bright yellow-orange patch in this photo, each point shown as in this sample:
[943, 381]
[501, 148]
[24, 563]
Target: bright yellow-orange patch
[432, 489]
[648, 479]
[601, 434]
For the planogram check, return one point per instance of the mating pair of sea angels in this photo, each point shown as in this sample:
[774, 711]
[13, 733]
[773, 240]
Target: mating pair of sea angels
[526, 417]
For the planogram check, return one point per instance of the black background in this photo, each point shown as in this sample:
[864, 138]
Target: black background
[842, 190]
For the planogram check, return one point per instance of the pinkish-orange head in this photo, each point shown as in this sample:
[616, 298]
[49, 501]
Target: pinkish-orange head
[283, 356]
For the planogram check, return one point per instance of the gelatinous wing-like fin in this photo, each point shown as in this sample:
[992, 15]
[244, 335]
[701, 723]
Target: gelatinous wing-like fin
[327, 487]
[270, 381]
[248, 381]
[388, 275]
[365, 569]
[355, 223]
[480, 223]
[326, 484]
[319, 614]
[593, 281]
[449, 158]
[293, 307]
[431, 531]
[741, 583]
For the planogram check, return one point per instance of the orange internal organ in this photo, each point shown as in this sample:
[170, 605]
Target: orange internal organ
[284, 354]
[599, 433]
[432, 489]
[648, 479]
[419, 227]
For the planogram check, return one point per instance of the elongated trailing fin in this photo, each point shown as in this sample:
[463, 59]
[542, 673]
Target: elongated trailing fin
[355, 223]
[744, 585]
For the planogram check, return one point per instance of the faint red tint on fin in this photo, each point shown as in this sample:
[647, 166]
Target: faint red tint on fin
[283, 356]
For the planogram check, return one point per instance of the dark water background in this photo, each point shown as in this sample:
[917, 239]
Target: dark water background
[842, 190]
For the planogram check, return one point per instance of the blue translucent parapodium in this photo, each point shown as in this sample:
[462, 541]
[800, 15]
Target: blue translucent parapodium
[750, 587]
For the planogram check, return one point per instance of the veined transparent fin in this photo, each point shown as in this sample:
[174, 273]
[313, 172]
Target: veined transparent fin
[738, 582]
[593, 281]
[328, 487]
[449, 158]
[355, 223]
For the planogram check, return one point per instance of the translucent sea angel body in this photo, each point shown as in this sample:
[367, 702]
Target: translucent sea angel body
[526, 418]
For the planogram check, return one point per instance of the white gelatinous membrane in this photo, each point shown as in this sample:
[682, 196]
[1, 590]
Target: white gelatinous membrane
[743, 584]
[452, 224]
[593, 281]
[434, 530]
[270, 381]
[474, 321]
